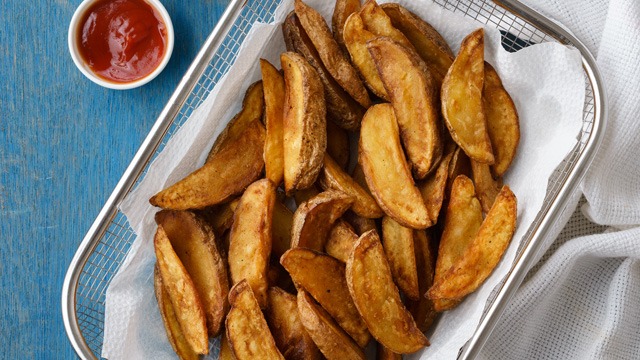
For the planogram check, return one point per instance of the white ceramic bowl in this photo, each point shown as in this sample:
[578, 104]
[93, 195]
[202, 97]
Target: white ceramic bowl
[74, 27]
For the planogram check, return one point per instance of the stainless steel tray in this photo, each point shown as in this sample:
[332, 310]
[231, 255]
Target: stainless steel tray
[107, 242]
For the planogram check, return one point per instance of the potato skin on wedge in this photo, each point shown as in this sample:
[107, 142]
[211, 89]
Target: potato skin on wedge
[341, 240]
[397, 242]
[273, 88]
[341, 12]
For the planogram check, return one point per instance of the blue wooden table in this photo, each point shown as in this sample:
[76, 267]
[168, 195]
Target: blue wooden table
[64, 143]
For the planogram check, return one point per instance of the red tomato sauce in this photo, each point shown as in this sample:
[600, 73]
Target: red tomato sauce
[122, 40]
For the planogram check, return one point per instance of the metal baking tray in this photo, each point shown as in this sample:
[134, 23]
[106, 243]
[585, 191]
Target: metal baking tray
[107, 242]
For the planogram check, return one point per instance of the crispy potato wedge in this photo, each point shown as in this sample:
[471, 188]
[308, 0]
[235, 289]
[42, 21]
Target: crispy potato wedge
[377, 22]
[194, 242]
[427, 41]
[462, 100]
[250, 238]
[305, 195]
[486, 187]
[313, 219]
[386, 169]
[219, 217]
[413, 95]
[172, 326]
[280, 230]
[341, 240]
[342, 108]
[332, 57]
[382, 353]
[483, 253]
[502, 121]
[246, 329]
[181, 293]
[287, 330]
[341, 13]
[397, 241]
[377, 298]
[236, 165]
[274, 92]
[305, 128]
[338, 144]
[331, 339]
[359, 223]
[433, 188]
[225, 350]
[423, 311]
[328, 287]
[333, 177]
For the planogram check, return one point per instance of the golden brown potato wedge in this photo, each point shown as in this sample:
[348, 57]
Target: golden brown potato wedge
[433, 188]
[250, 238]
[305, 128]
[280, 230]
[313, 219]
[382, 353]
[502, 121]
[423, 311]
[338, 144]
[342, 108]
[359, 223]
[378, 300]
[332, 57]
[462, 99]
[486, 187]
[171, 324]
[386, 169]
[333, 341]
[219, 217]
[246, 329]
[225, 350]
[273, 84]
[287, 330]
[413, 95]
[377, 22]
[194, 242]
[341, 240]
[236, 165]
[323, 277]
[397, 241]
[182, 294]
[483, 253]
[341, 13]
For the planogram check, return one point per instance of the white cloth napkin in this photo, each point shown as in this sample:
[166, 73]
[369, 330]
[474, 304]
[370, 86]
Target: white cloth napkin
[583, 300]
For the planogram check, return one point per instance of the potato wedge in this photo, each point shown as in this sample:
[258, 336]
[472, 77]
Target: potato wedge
[250, 238]
[333, 341]
[305, 128]
[341, 12]
[246, 329]
[194, 242]
[274, 92]
[413, 95]
[433, 188]
[423, 311]
[386, 170]
[427, 41]
[181, 293]
[377, 22]
[236, 165]
[332, 57]
[377, 298]
[483, 253]
[397, 241]
[382, 353]
[342, 108]
[172, 326]
[225, 350]
[332, 177]
[219, 217]
[282, 221]
[359, 223]
[462, 100]
[338, 144]
[313, 219]
[328, 287]
[502, 121]
[486, 187]
[341, 240]
[287, 330]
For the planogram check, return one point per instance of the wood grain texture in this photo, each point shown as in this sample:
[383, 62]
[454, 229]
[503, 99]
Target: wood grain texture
[64, 143]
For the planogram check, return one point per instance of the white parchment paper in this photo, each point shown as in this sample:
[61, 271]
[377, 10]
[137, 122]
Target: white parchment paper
[545, 81]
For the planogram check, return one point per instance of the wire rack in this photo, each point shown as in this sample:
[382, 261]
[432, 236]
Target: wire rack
[106, 245]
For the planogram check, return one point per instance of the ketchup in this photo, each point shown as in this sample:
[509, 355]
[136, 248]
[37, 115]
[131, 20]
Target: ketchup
[122, 40]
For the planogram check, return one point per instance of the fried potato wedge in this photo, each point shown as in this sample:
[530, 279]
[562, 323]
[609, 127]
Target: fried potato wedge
[194, 242]
[462, 100]
[341, 240]
[274, 93]
[377, 298]
[397, 241]
[377, 22]
[174, 332]
[332, 57]
[282, 221]
[287, 330]
[423, 310]
[328, 286]
[305, 127]
[413, 95]
[383, 353]
[386, 169]
[182, 294]
[313, 219]
[427, 41]
[434, 186]
[246, 329]
[486, 187]
[236, 165]
[483, 253]
[502, 121]
[250, 238]
[338, 144]
[359, 223]
[341, 12]
[342, 108]
[331, 339]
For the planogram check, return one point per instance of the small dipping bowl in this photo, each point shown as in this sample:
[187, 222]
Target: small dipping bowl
[124, 32]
